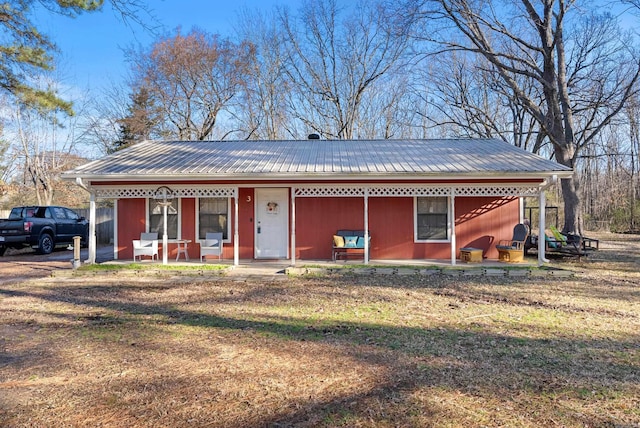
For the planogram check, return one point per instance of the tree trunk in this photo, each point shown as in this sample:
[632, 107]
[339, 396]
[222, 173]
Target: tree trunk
[571, 200]
[572, 212]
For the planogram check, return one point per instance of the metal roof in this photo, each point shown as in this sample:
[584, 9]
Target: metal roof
[304, 159]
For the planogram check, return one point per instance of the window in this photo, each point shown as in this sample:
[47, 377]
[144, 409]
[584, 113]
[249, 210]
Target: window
[71, 215]
[432, 219]
[213, 216]
[59, 212]
[156, 218]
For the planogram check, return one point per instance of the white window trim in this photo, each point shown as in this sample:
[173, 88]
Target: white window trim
[148, 214]
[415, 222]
[197, 222]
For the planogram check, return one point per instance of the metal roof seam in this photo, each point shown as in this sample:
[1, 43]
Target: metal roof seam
[319, 158]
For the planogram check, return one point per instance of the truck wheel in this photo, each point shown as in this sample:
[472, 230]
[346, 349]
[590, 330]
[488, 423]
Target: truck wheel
[2, 250]
[45, 245]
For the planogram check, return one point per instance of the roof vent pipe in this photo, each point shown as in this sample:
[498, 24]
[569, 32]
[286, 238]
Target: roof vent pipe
[313, 137]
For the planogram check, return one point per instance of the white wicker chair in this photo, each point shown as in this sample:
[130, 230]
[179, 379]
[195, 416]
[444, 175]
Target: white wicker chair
[147, 245]
[211, 246]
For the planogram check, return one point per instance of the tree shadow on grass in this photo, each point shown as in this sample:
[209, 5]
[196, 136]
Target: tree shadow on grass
[449, 358]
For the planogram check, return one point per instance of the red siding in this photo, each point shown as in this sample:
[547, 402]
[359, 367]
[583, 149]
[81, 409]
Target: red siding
[317, 219]
[245, 223]
[131, 217]
[391, 223]
[480, 222]
[188, 226]
[187, 229]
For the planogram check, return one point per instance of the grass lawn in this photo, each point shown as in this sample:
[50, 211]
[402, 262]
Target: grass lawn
[370, 351]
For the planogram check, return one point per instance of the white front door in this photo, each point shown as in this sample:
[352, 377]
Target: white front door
[272, 223]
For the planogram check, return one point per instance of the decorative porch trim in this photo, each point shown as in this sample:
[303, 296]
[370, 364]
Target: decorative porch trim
[193, 191]
[418, 190]
[329, 191]
[513, 190]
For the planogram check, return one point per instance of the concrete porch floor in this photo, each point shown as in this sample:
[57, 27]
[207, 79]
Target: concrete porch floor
[278, 267]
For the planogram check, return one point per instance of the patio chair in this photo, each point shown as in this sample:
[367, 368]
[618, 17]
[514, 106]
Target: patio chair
[512, 250]
[558, 237]
[211, 246]
[565, 243]
[147, 245]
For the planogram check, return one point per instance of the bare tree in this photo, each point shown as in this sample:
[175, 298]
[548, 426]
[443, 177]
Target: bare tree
[190, 79]
[582, 77]
[264, 113]
[333, 63]
[633, 115]
[44, 149]
[469, 99]
[4, 165]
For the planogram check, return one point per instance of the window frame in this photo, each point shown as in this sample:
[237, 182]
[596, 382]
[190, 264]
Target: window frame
[150, 204]
[197, 212]
[415, 220]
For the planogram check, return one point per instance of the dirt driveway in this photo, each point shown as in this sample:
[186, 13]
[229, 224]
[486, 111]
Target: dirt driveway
[16, 265]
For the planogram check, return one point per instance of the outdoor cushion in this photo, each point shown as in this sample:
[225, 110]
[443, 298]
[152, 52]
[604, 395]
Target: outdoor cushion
[350, 241]
[550, 243]
[338, 241]
[506, 247]
[360, 243]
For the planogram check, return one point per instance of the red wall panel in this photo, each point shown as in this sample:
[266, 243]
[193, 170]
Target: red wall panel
[245, 223]
[317, 219]
[131, 215]
[187, 229]
[188, 214]
[480, 222]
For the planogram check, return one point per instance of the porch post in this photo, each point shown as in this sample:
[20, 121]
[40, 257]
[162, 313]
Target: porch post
[542, 202]
[115, 229]
[92, 229]
[165, 240]
[366, 225]
[293, 226]
[452, 210]
[236, 236]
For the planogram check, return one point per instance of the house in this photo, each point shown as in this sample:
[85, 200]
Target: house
[418, 199]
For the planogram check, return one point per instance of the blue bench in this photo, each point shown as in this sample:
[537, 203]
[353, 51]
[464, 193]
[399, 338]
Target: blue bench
[348, 242]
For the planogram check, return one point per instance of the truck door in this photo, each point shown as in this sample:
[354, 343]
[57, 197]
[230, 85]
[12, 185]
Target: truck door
[64, 226]
[78, 226]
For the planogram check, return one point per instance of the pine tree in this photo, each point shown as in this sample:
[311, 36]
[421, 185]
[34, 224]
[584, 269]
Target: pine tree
[139, 124]
[25, 51]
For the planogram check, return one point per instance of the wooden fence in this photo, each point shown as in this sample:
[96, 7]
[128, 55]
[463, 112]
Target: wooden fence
[104, 222]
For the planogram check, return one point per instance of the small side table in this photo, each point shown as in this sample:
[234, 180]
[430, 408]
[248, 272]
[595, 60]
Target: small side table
[182, 248]
[471, 255]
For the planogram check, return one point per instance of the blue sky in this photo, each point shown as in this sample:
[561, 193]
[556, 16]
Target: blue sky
[92, 44]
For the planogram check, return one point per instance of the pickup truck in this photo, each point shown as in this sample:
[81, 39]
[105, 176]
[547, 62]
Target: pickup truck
[42, 228]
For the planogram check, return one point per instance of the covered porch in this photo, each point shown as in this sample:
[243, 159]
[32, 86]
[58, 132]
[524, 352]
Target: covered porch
[364, 192]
